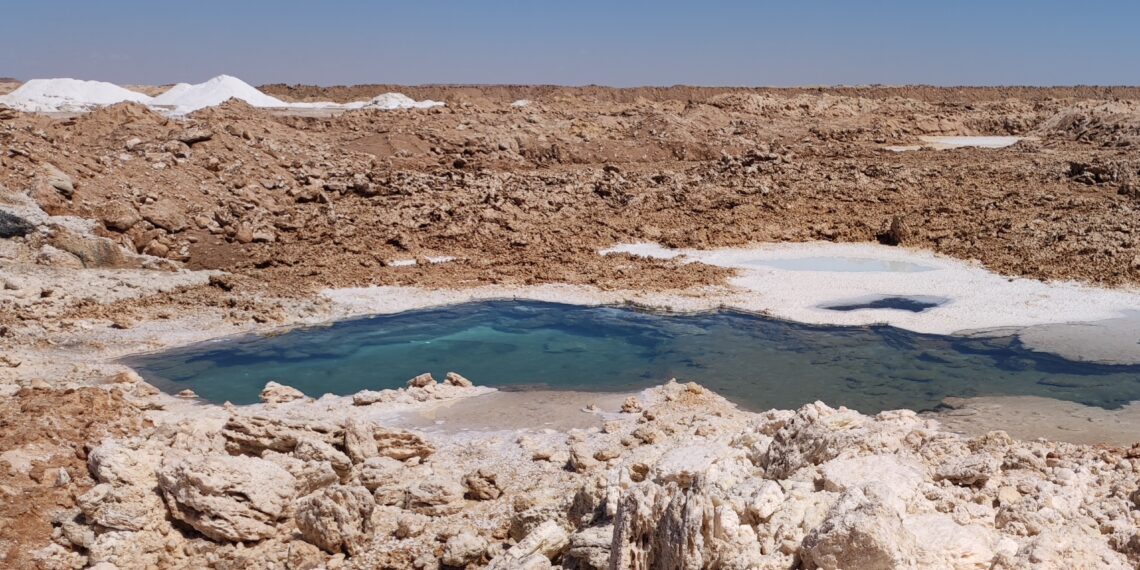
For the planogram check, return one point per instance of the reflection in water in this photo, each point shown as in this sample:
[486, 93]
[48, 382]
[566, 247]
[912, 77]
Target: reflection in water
[757, 362]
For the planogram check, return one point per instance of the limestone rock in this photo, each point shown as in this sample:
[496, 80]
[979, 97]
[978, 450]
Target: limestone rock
[435, 495]
[453, 379]
[481, 485]
[400, 444]
[228, 498]
[275, 393]
[254, 434]
[547, 541]
[336, 518]
[463, 549]
[590, 548]
[316, 450]
[421, 381]
[860, 533]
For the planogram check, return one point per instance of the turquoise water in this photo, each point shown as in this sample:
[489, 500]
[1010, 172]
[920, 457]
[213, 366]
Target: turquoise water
[757, 362]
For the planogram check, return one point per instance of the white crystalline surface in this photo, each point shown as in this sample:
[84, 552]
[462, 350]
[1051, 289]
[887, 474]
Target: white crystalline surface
[68, 95]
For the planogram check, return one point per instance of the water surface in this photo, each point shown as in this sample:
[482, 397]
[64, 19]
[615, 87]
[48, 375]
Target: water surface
[757, 362]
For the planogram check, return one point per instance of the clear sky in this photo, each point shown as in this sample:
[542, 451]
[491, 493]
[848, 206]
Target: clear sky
[577, 42]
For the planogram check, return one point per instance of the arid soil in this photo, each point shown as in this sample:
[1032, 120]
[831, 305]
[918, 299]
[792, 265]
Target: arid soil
[103, 214]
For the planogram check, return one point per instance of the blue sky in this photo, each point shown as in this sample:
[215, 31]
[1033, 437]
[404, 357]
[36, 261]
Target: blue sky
[577, 42]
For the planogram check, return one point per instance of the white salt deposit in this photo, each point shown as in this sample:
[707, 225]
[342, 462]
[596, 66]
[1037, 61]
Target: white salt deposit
[978, 299]
[521, 103]
[73, 95]
[396, 101]
[183, 98]
[946, 143]
[68, 95]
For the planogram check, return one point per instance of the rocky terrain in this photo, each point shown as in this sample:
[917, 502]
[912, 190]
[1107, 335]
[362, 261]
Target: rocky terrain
[233, 218]
[678, 478]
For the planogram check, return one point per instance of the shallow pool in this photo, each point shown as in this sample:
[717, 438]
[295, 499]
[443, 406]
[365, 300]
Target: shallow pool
[757, 362]
[838, 264]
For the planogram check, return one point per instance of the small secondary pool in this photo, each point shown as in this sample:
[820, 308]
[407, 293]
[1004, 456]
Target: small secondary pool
[759, 363]
[839, 264]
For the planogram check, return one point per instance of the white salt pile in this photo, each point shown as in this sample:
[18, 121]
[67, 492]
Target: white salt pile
[521, 103]
[73, 95]
[68, 95]
[184, 98]
[397, 101]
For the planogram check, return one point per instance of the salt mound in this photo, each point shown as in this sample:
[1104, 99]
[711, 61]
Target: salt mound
[185, 98]
[68, 95]
[392, 101]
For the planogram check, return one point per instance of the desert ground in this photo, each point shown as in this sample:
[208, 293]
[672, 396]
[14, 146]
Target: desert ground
[126, 228]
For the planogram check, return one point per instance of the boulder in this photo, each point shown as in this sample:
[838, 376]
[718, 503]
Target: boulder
[92, 251]
[12, 225]
[166, 213]
[336, 518]
[434, 495]
[463, 549]
[274, 393]
[453, 379]
[860, 532]
[421, 381]
[227, 498]
[194, 135]
[482, 485]
[252, 435]
[546, 541]
[59, 180]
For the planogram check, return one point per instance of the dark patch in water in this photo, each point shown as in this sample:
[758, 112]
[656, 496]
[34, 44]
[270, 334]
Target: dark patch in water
[895, 303]
[757, 362]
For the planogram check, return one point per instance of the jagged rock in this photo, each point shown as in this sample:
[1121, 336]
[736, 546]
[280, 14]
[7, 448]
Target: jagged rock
[631, 405]
[383, 473]
[590, 548]
[463, 549]
[659, 527]
[581, 459]
[421, 381]
[400, 444]
[860, 532]
[359, 440]
[317, 450]
[481, 485]
[310, 474]
[275, 393]
[253, 434]
[453, 379]
[336, 518]
[369, 397]
[970, 470]
[227, 498]
[817, 433]
[434, 495]
[546, 541]
[121, 508]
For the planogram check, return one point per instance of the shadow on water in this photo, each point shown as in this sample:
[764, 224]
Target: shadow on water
[758, 362]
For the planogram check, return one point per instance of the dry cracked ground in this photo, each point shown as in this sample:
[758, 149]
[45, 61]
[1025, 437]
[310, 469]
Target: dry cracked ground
[102, 213]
